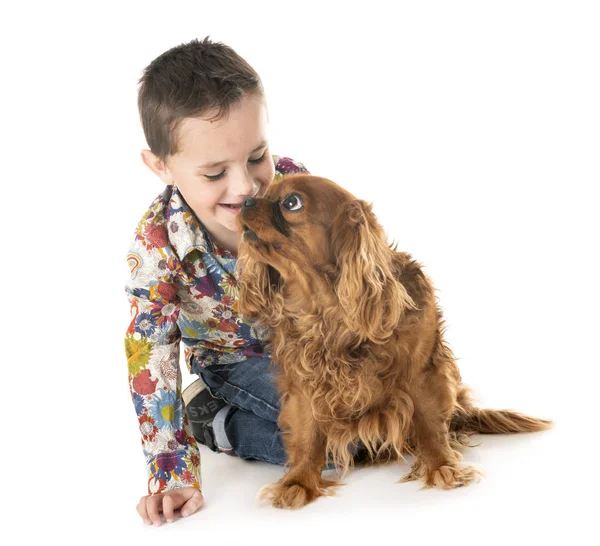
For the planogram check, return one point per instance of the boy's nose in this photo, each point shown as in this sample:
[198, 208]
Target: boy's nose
[248, 203]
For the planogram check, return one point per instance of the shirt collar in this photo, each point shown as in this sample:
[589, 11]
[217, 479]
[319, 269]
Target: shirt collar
[186, 233]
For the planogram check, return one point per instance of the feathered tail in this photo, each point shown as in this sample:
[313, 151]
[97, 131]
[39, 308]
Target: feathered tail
[468, 419]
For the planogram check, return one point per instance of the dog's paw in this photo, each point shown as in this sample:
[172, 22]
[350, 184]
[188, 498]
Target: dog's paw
[417, 472]
[293, 495]
[411, 476]
[450, 477]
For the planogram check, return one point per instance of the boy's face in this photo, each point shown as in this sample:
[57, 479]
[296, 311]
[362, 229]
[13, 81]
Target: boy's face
[220, 163]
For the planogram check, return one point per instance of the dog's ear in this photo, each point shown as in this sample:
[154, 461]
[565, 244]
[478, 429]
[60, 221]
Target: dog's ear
[371, 298]
[258, 286]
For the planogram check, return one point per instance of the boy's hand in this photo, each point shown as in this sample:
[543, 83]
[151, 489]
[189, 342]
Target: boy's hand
[189, 499]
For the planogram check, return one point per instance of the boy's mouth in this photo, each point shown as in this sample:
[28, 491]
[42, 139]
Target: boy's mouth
[234, 207]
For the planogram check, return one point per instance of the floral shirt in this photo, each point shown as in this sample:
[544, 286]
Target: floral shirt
[183, 289]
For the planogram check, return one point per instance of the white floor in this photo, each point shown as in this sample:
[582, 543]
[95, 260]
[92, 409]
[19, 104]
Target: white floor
[537, 488]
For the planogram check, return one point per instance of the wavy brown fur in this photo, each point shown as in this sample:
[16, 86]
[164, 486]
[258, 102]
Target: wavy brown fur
[359, 340]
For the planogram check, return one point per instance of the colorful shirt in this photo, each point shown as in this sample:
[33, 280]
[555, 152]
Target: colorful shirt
[183, 288]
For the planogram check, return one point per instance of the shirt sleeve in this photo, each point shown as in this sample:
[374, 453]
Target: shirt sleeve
[286, 165]
[152, 349]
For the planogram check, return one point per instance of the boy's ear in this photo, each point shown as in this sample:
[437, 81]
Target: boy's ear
[157, 166]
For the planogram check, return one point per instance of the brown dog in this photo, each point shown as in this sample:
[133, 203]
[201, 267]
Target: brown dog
[359, 339]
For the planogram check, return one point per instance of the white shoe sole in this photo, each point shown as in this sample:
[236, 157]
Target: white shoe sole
[192, 390]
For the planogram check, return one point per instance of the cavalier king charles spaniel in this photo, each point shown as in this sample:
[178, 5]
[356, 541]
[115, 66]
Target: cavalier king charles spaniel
[358, 339]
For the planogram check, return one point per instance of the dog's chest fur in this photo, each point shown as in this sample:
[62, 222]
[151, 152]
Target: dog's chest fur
[342, 385]
[344, 379]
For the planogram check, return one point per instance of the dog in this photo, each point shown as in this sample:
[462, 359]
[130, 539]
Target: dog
[358, 339]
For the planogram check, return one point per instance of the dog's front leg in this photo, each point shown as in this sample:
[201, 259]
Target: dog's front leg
[437, 464]
[305, 446]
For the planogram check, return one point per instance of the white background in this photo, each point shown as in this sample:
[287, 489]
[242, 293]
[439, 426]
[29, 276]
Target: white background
[473, 127]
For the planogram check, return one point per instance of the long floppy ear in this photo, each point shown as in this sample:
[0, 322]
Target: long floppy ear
[258, 287]
[372, 299]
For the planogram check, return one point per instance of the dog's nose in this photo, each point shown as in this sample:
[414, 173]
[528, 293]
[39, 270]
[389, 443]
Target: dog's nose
[248, 203]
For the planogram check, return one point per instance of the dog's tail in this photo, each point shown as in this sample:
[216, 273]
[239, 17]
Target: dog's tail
[468, 419]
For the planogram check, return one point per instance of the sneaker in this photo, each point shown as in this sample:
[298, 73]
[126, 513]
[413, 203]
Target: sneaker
[201, 408]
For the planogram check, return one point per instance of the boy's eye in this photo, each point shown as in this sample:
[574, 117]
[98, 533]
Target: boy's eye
[215, 177]
[260, 159]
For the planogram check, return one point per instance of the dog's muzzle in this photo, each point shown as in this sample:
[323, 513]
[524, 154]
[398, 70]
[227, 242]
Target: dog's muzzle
[249, 203]
[249, 234]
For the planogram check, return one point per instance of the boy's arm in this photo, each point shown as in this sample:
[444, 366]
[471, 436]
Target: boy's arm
[152, 348]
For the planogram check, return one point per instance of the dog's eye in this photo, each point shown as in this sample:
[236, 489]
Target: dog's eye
[292, 202]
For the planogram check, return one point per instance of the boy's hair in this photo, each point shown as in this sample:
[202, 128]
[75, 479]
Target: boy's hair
[190, 80]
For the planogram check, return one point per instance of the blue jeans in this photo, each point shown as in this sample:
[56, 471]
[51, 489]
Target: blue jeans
[248, 427]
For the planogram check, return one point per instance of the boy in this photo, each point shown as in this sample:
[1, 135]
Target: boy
[204, 116]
